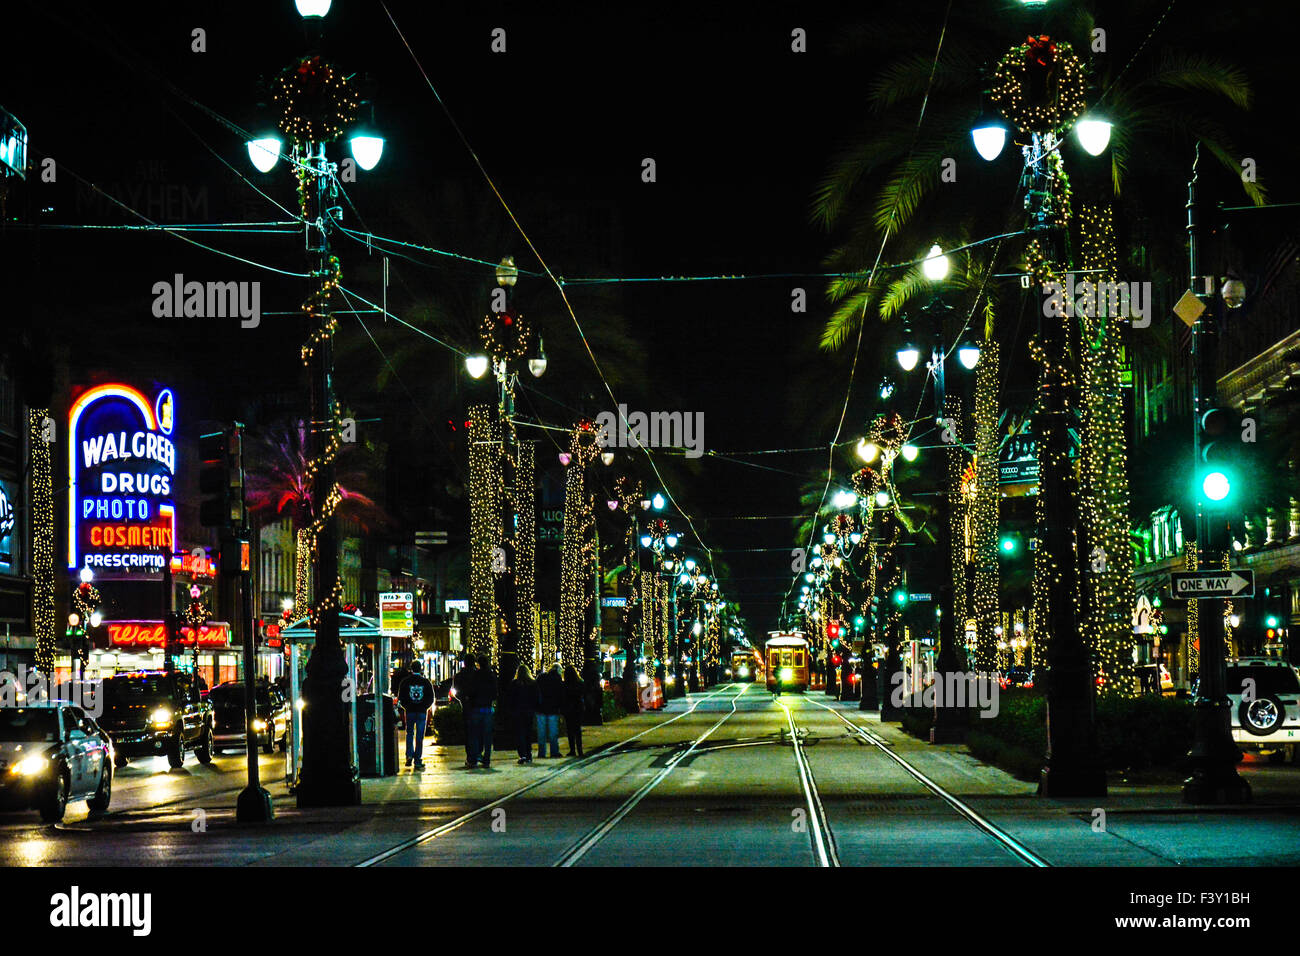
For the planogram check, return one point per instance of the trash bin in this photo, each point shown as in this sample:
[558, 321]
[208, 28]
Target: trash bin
[366, 735]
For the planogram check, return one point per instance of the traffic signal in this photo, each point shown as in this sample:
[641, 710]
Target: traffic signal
[859, 623]
[221, 479]
[1009, 545]
[833, 630]
[1219, 448]
[900, 597]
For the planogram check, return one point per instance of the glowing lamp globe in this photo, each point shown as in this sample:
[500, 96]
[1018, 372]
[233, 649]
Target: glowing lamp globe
[264, 153]
[366, 149]
[476, 365]
[312, 8]
[989, 139]
[910, 452]
[968, 353]
[908, 356]
[1093, 135]
[935, 265]
[882, 499]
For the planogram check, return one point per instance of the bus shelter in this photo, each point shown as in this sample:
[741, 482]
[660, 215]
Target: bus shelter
[355, 632]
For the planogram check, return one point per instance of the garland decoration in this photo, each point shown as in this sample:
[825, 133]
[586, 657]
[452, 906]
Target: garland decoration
[316, 101]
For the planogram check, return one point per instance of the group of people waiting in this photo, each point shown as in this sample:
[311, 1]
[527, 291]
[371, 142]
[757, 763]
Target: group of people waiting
[527, 702]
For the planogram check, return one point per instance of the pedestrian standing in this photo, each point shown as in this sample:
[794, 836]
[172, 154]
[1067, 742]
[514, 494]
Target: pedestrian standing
[573, 708]
[462, 688]
[523, 700]
[480, 715]
[550, 701]
[416, 697]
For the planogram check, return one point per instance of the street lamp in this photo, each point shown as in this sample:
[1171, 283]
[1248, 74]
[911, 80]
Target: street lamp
[537, 363]
[264, 152]
[935, 265]
[1093, 134]
[477, 365]
[312, 8]
[989, 135]
[908, 354]
[366, 148]
[868, 451]
[968, 352]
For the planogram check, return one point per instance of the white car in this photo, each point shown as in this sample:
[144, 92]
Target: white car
[51, 754]
[1265, 695]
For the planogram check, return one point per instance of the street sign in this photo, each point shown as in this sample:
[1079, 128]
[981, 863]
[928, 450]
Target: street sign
[920, 597]
[1189, 308]
[1189, 585]
[396, 614]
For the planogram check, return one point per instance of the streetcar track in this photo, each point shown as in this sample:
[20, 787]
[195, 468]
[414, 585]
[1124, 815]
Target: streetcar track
[824, 849]
[1009, 843]
[580, 849]
[464, 818]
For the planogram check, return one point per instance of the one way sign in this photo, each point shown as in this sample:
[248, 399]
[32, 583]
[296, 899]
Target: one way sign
[1188, 585]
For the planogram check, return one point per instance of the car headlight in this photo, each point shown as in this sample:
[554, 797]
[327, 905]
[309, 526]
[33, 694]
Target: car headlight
[30, 766]
[162, 717]
[259, 724]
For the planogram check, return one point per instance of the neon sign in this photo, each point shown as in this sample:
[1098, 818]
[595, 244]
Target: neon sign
[154, 634]
[121, 466]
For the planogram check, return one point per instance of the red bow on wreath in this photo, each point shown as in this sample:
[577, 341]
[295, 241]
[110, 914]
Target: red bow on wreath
[1041, 50]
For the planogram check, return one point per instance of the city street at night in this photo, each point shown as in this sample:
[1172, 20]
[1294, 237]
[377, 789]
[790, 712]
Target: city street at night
[685, 445]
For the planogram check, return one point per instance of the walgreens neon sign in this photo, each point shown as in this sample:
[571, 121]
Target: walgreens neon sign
[122, 466]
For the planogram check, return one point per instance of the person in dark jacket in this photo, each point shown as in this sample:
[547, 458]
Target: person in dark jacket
[462, 687]
[550, 701]
[480, 709]
[523, 705]
[416, 697]
[573, 708]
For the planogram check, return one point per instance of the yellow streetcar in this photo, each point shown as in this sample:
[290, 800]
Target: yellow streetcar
[786, 657]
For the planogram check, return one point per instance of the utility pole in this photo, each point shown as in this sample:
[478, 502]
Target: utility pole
[1214, 755]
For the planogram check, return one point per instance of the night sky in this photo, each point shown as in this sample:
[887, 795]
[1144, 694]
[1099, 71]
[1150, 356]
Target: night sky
[740, 129]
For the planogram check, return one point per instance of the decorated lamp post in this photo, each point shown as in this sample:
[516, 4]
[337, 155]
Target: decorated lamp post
[318, 105]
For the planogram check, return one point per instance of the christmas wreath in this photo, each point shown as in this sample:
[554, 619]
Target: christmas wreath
[1040, 85]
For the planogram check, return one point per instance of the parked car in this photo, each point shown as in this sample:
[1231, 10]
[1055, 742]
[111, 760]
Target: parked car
[1018, 677]
[154, 712]
[50, 754]
[271, 723]
[1265, 696]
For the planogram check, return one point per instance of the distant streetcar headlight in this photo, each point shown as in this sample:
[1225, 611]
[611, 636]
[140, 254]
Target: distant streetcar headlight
[787, 673]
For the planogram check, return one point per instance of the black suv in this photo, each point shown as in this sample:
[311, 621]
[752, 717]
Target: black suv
[154, 712]
[271, 724]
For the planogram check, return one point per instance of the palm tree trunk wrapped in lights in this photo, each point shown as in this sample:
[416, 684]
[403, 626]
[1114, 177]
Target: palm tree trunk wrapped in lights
[1107, 556]
[649, 621]
[484, 531]
[984, 509]
[661, 631]
[578, 546]
[953, 630]
[42, 509]
[526, 550]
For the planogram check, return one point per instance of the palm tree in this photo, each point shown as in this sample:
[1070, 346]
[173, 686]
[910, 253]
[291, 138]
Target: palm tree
[277, 485]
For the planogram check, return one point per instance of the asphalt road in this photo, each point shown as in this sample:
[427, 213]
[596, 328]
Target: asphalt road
[728, 777]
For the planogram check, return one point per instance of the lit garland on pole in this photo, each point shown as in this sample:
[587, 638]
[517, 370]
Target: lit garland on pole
[484, 531]
[1191, 560]
[956, 524]
[576, 551]
[984, 508]
[629, 499]
[42, 492]
[1107, 556]
[526, 550]
[662, 631]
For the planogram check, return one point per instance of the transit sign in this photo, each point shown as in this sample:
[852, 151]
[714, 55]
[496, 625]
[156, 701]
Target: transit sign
[1189, 585]
[396, 614]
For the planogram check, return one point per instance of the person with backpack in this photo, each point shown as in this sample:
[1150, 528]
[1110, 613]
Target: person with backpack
[523, 702]
[479, 713]
[416, 697]
[574, 705]
[550, 701]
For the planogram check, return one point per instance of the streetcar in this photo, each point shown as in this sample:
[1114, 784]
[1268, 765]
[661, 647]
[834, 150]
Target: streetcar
[786, 657]
[745, 666]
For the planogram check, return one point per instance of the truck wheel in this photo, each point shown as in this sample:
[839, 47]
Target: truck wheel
[204, 749]
[175, 751]
[1261, 716]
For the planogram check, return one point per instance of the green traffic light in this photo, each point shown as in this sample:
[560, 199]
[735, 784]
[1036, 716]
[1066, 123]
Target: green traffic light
[1270, 621]
[1007, 544]
[900, 597]
[1216, 486]
[859, 622]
